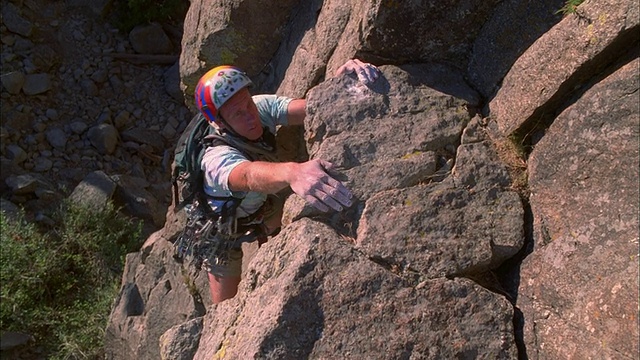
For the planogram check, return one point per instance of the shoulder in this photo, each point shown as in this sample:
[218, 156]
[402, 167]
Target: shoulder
[273, 109]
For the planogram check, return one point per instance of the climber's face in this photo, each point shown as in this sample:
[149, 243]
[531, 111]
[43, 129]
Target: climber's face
[241, 113]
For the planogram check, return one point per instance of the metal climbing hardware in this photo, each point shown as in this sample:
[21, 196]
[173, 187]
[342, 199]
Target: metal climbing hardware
[206, 240]
[187, 244]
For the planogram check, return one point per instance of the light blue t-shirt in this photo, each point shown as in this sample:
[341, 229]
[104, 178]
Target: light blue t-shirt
[218, 161]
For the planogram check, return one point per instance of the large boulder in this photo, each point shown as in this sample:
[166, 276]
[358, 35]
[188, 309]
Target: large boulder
[389, 30]
[157, 293]
[561, 60]
[328, 33]
[244, 33]
[310, 295]
[579, 288]
[498, 46]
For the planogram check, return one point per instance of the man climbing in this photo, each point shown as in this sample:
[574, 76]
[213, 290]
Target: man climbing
[241, 175]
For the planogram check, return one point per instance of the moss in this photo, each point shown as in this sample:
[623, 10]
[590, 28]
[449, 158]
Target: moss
[227, 56]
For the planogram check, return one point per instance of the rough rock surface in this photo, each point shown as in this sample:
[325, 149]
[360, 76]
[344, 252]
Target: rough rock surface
[71, 106]
[223, 32]
[583, 272]
[138, 318]
[427, 263]
[564, 58]
[310, 294]
[498, 46]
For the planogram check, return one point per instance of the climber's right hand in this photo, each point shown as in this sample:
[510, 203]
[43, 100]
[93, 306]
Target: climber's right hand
[312, 182]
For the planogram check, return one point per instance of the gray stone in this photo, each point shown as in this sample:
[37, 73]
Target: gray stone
[44, 219]
[99, 76]
[391, 120]
[181, 341]
[22, 184]
[478, 166]
[383, 31]
[122, 119]
[35, 84]
[78, 127]
[103, 137]
[11, 340]
[168, 132]
[94, 191]
[165, 283]
[549, 71]
[16, 154]
[475, 131]
[172, 82]
[57, 138]
[9, 209]
[89, 87]
[144, 136]
[13, 81]
[441, 231]
[498, 46]
[236, 36]
[52, 114]
[23, 46]
[150, 39]
[136, 201]
[42, 164]
[343, 300]
[13, 20]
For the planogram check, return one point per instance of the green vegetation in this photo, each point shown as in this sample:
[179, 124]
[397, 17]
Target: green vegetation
[58, 285]
[569, 7]
[129, 13]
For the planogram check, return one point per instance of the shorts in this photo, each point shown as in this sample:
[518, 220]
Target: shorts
[233, 267]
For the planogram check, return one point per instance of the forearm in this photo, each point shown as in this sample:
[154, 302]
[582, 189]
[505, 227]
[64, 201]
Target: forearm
[264, 177]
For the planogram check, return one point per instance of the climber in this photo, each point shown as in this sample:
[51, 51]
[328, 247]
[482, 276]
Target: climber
[241, 165]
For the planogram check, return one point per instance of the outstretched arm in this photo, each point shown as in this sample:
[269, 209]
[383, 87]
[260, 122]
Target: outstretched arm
[309, 180]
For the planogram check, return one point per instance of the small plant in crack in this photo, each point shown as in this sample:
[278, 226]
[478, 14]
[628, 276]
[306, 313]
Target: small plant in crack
[191, 284]
[569, 7]
[513, 153]
[403, 271]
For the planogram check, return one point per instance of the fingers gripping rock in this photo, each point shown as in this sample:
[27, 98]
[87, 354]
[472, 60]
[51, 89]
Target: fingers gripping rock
[318, 188]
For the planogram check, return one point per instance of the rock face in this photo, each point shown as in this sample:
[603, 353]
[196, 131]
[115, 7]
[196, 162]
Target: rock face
[458, 246]
[310, 294]
[583, 272]
[584, 44]
[441, 257]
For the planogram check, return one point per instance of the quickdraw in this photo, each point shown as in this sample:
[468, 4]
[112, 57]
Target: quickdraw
[206, 239]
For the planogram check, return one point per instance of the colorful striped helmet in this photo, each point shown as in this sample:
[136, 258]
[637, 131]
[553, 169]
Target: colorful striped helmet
[216, 87]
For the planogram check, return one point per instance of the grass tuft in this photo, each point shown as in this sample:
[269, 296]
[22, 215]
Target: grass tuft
[569, 7]
[513, 153]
